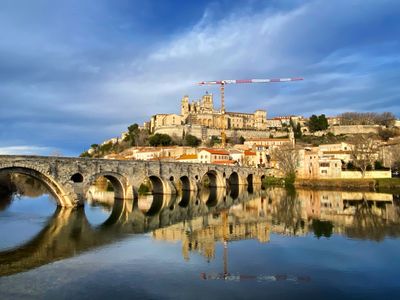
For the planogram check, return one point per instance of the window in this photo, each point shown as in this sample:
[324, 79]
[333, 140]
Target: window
[324, 164]
[324, 172]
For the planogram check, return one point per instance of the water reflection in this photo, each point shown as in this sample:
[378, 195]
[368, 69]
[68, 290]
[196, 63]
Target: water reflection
[99, 202]
[25, 207]
[201, 220]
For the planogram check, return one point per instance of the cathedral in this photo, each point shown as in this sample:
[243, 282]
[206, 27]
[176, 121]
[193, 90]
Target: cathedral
[203, 113]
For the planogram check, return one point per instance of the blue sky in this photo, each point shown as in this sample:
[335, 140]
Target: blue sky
[73, 73]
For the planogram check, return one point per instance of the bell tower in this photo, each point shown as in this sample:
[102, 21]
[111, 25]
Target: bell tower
[207, 102]
[185, 106]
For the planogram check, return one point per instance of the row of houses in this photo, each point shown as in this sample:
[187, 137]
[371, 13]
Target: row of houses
[324, 161]
[330, 161]
[253, 153]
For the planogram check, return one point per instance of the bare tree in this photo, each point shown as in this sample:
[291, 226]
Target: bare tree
[142, 138]
[363, 152]
[386, 119]
[367, 118]
[287, 158]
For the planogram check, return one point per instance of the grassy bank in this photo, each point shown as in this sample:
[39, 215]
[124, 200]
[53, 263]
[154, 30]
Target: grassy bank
[388, 185]
[352, 184]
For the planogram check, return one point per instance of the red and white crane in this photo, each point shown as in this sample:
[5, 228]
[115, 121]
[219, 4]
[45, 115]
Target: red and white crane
[222, 84]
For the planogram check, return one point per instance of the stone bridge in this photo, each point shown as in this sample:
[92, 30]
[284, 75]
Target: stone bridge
[69, 179]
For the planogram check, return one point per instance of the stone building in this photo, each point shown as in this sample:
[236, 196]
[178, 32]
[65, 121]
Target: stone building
[202, 113]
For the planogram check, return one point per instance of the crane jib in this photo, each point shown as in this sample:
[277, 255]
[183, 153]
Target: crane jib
[235, 81]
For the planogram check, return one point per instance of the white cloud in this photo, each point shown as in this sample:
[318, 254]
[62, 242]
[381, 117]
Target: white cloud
[26, 150]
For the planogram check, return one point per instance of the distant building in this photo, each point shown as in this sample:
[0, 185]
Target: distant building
[210, 156]
[270, 142]
[329, 161]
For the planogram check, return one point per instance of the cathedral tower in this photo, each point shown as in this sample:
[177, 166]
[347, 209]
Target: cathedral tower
[207, 103]
[185, 108]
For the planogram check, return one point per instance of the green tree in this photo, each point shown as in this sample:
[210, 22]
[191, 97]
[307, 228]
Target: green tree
[160, 139]
[296, 129]
[317, 123]
[106, 148]
[323, 122]
[191, 140]
[133, 132]
[85, 154]
[136, 136]
[213, 140]
[134, 128]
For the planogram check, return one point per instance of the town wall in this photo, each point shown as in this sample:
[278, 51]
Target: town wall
[203, 133]
[354, 129]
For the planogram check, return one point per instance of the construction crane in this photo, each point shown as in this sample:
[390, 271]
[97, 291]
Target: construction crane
[222, 84]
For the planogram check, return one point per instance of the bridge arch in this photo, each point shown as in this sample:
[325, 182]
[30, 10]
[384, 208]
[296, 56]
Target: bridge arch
[186, 186]
[117, 181]
[234, 179]
[250, 182]
[262, 178]
[184, 198]
[154, 184]
[213, 178]
[250, 179]
[61, 196]
[157, 184]
[184, 183]
[151, 205]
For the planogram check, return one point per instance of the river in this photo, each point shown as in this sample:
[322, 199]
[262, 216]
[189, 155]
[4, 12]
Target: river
[238, 243]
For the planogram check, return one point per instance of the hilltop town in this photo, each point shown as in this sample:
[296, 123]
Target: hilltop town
[350, 145]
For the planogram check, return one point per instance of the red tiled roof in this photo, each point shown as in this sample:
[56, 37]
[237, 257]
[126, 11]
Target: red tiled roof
[249, 152]
[217, 151]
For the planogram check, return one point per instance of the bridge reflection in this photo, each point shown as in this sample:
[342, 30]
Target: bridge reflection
[200, 219]
[69, 232]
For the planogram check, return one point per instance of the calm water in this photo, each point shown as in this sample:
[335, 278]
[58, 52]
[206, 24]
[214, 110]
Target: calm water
[271, 243]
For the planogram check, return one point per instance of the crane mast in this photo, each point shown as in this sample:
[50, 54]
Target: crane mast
[222, 84]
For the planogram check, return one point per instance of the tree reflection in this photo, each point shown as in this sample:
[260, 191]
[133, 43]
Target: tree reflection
[369, 220]
[7, 189]
[288, 212]
[322, 228]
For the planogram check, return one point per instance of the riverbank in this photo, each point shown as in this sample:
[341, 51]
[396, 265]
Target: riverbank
[351, 184]
[370, 184]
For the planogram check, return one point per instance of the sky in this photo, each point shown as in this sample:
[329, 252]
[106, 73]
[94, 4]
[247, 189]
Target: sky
[74, 73]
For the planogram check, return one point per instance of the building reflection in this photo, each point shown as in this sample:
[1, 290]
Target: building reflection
[363, 215]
